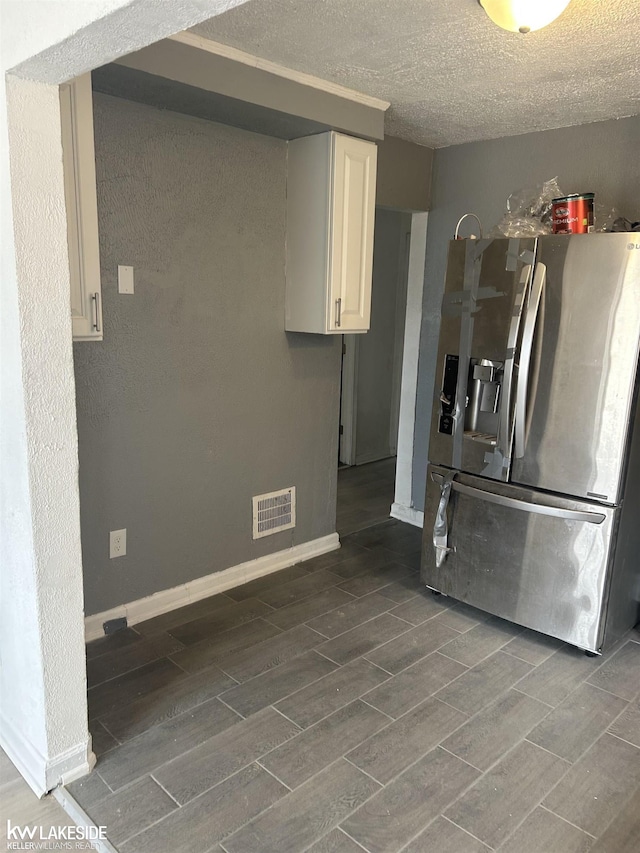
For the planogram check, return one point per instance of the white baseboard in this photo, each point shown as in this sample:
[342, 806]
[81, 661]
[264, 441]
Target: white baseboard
[72, 765]
[195, 590]
[408, 514]
[40, 773]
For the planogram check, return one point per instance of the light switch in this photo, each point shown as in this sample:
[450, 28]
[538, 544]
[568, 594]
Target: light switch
[125, 279]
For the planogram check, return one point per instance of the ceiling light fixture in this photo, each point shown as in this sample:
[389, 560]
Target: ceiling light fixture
[523, 16]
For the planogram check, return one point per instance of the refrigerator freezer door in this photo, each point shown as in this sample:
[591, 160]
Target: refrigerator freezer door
[537, 560]
[471, 425]
[583, 367]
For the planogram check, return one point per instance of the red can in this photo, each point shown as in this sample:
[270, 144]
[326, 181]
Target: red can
[573, 214]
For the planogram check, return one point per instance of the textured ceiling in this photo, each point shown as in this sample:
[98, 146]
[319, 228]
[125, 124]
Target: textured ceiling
[450, 74]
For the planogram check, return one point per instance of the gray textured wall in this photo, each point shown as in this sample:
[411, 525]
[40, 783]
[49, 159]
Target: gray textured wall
[601, 158]
[403, 179]
[197, 399]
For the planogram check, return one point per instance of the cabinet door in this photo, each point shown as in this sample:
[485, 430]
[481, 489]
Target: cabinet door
[76, 114]
[351, 249]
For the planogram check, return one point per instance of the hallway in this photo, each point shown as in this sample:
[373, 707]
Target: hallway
[365, 495]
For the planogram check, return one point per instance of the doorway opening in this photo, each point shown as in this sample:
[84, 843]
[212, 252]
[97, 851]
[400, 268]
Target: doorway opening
[377, 375]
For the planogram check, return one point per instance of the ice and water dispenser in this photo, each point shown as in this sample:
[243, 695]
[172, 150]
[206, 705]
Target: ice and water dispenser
[481, 404]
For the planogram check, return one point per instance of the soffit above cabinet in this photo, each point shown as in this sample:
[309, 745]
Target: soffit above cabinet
[185, 75]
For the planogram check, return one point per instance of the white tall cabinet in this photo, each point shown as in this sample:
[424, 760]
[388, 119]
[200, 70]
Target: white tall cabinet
[331, 187]
[78, 153]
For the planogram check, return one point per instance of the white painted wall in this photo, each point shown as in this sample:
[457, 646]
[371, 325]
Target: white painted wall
[43, 720]
[20, 649]
[49, 588]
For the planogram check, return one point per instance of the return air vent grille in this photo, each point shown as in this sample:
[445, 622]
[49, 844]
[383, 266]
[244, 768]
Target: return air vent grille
[274, 512]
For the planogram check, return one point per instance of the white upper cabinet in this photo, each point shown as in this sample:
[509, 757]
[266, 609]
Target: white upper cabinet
[331, 187]
[76, 113]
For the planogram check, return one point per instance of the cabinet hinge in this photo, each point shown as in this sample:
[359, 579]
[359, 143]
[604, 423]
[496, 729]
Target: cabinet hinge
[341, 430]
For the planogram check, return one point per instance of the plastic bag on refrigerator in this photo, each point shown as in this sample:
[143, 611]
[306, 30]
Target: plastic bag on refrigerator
[529, 212]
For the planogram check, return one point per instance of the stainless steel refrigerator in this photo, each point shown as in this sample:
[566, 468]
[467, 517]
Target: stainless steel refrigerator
[532, 506]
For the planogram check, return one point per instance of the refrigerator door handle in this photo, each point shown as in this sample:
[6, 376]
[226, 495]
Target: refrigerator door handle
[441, 524]
[527, 506]
[504, 437]
[522, 393]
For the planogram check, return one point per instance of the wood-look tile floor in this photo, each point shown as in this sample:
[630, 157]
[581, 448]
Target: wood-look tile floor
[337, 706]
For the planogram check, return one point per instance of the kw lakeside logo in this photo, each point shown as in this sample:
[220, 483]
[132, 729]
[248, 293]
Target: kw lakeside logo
[54, 838]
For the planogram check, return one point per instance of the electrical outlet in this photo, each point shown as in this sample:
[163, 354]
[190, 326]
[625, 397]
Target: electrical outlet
[117, 543]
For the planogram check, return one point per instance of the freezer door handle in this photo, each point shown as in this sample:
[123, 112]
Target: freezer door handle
[522, 394]
[504, 437]
[525, 506]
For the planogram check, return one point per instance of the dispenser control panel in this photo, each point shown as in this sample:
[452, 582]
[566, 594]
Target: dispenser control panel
[448, 394]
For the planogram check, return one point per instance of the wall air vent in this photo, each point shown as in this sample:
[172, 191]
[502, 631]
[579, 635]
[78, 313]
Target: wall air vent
[274, 512]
